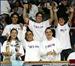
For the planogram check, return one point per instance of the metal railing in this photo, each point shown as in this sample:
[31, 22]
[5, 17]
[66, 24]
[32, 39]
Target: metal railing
[30, 63]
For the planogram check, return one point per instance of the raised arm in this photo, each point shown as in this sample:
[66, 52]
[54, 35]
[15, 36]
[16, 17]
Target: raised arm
[25, 15]
[51, 14]
[55, 14]
[71, 11]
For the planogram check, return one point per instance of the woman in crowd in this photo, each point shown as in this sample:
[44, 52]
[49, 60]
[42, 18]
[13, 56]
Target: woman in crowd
[12, 49]
[51, 47]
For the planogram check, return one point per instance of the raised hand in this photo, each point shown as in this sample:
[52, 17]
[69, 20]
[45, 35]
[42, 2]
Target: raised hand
[49, 7]
[25, 6]
[71, 9]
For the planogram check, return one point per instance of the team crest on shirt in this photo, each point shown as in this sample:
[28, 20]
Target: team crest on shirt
[50, 45]
[63, 30]
[38, 26]
[33, 46]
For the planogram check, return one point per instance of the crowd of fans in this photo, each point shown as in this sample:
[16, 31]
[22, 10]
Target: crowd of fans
[41, 28]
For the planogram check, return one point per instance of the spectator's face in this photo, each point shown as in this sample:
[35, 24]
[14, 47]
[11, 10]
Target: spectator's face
[61, 21]
[14, 19]
[29, 36]
[39, 18]
[13, 34]
[48, 33]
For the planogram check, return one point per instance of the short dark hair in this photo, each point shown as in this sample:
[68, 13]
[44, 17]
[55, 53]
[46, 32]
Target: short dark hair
[14, 14]
[14, 29]
[28, 30]
[9, 39]
[64, 17]
[40, 13]
[52, 29]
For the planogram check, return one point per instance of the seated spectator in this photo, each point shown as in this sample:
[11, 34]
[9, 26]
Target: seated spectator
[12, 48]
[51, 47]
[31, 47]
[62, 30]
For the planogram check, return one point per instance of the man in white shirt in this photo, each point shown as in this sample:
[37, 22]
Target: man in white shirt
[7, 29]
[50, 48]
[12, 48]
[62, 32]
[38, 27]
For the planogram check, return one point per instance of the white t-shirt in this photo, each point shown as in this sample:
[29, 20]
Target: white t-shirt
[39, 29]
[5, 7]
[12, 47]
[8, 28]
[47, 46]
[32, 50]
[62, 33]
[71, 56]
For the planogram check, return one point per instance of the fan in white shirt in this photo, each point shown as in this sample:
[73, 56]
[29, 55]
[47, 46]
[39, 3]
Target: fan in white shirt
[50, 48]
[38, 27]
[31, 47]
[7, 29]
[12, 49]
[62, 32]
